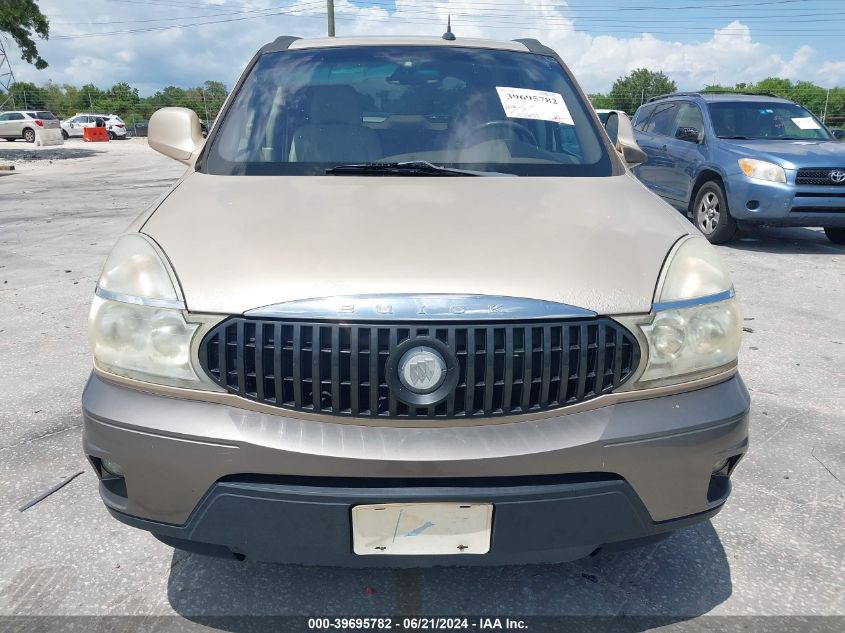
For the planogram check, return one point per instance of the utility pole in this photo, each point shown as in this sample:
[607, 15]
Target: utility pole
[90, 101]
[826, 99]
[205, 105]
[330, 16]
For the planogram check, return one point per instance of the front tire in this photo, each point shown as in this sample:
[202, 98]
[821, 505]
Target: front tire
[835, 234]
[710, 214]
[112, 136]
[65, 135]
[29, 135]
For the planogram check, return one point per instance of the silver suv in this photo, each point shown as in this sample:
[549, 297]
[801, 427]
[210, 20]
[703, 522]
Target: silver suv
[408, 306]
[24, 124]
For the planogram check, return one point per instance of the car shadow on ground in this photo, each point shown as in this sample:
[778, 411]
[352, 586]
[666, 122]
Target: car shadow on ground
[58, 152]
[786, 241]
[675, 580]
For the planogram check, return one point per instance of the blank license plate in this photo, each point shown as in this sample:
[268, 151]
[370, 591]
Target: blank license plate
[422, 528]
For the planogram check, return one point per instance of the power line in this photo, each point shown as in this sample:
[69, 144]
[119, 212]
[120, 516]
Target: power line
[300, 8]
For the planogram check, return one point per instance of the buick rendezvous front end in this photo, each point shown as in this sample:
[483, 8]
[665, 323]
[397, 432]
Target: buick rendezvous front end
[408, 306]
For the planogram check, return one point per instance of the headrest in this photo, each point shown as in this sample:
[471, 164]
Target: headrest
[335, 104]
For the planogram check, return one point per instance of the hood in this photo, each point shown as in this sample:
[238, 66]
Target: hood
[243, 242]
[791, 154]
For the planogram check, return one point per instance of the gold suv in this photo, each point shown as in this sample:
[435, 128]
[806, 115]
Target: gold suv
[408, 306]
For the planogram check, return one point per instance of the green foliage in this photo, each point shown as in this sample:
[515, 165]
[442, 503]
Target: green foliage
[805, 93]
[121, 99]
[22, 19]
[630, 91]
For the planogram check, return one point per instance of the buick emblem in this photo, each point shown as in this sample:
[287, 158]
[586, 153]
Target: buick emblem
[837, 176]
[422, 369]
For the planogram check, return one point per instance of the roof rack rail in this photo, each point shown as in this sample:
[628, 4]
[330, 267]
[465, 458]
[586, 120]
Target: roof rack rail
[672, 94]
[713, 92]
[741, 92]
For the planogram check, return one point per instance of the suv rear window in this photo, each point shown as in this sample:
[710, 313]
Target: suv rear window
[641, 116]
[303, 111]
[661, 121]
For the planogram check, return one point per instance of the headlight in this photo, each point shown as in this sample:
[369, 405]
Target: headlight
[691, 340]
[762, 170]
[137, 325]
[697, 325]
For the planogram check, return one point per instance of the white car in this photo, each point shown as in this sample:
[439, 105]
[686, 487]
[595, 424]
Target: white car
[74, 125]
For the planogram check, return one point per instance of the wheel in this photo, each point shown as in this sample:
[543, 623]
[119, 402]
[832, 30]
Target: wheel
[112, 135]
[65, 135]
[710, 214]
[29, 135]
[835, 234]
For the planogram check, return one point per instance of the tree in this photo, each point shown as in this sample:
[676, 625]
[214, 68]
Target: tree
[28, 95]
[22, 19]
[630, 91]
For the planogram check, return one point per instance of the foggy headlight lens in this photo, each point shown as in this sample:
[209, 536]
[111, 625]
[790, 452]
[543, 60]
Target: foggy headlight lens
[689, 340]
[142, 342]
[138, 329]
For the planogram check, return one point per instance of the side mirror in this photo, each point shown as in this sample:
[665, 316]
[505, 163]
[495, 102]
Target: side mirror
[611, 126]
[621, 132]
[689, 134]
[175, 132]
[839, 135]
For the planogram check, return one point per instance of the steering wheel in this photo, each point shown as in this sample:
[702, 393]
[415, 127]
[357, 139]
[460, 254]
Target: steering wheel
[517, 128]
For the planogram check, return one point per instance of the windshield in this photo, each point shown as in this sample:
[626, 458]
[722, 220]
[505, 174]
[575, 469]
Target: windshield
[765, 120]
[303, 112]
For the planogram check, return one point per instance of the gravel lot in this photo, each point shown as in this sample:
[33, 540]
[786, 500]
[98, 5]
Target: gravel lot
[777, 549]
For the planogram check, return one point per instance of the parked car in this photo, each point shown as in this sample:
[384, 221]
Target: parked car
[16, 124]
[75, 125]
[137, 128]
[734, 160]
[370, 329]
[838, 134]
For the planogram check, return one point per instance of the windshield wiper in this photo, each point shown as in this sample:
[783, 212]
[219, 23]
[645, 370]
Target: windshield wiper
[411, 168]
[740, 138]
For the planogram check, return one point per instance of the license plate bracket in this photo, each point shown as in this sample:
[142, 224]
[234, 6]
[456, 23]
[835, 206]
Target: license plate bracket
[420, 529]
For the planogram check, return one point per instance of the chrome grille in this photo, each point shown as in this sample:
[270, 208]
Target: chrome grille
[504, 368]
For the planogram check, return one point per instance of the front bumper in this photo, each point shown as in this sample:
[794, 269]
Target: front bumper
[279, 488]
[785, 204]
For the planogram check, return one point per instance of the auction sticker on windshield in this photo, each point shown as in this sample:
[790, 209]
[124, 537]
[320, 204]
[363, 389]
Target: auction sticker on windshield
[806, 123]
[524, 103]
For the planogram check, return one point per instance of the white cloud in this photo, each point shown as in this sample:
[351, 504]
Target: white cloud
[220, 50]
[834, 72]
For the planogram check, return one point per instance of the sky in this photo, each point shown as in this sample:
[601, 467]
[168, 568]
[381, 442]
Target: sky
[151, 44]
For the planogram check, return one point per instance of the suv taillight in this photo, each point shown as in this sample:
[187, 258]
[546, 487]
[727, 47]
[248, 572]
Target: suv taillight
[118, 124]
[39, 123]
